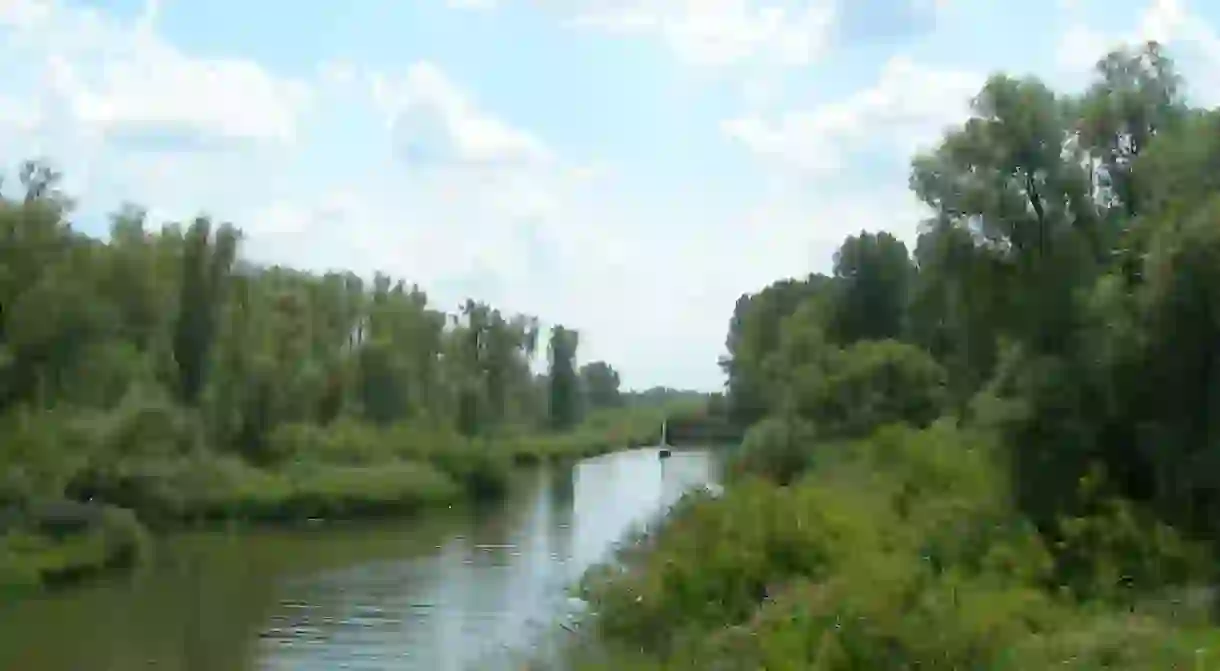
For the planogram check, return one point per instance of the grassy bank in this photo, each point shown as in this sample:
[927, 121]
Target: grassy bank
[37, 551]
[900, 551]
[347, 470]
[601, 432]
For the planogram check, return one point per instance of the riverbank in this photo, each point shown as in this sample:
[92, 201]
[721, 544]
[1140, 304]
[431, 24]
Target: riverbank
[992, 451]
[351, 471]
[188, 384]
[450, 588]
[897, 551]
[60, 544]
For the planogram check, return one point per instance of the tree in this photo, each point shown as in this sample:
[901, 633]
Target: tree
[600, 383]
[207, 262]
[873, 273]
[564, 383]
[1137, 96]
[1011, 178]
[754, 332]
[161, 345]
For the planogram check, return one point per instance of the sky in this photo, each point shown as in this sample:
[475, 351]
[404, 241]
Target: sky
[627, 168]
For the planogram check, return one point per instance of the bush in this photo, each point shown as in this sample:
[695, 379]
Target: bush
[339, 492]
[30, 559]
[1115, 641]
[870, 384]
[41, 452]
[601, 432]
[481, 467]
[776, 448]
[1117, 552]
[214, 488]
[344, 442]
[901, 551]
[716, 559]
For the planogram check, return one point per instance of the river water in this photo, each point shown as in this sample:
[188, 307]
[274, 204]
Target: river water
[449, 590]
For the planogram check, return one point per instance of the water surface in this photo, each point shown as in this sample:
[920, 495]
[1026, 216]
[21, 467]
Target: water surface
[448, 590]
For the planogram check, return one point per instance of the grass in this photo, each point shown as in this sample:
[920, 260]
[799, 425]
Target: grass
[228, 489]
[600, 433]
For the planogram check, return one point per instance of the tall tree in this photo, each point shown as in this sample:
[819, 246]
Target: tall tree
[1137, 95]
[564, 382]
[207, 262]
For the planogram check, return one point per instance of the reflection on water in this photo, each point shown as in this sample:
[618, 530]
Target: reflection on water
[447, 591]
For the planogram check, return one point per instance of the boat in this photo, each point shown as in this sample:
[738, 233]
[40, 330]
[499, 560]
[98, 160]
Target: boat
[664, 446]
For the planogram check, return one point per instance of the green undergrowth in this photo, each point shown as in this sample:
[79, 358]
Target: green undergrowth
[153, 463]
[900, 551]
[33, 558]
[601, 432]
[216, 489]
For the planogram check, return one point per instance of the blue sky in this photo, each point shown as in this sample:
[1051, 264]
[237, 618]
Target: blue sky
[625, 167]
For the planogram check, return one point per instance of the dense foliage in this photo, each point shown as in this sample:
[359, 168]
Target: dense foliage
[161, 372]
[997, 451]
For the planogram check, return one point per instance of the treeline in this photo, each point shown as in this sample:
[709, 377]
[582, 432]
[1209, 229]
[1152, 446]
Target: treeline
[996, 450]
[161, 372]
[1063, 290]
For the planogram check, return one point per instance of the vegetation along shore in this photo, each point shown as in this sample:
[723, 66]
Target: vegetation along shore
[994, 451]
[156, 379]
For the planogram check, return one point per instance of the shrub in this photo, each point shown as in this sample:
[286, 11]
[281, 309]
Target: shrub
[40, 453]
[337, 492]
[1118, 552]
[29, 559]
[900, 551]
[777, 448]
[482, 467]
[1115, 641]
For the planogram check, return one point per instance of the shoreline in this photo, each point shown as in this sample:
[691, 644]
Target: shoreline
[113, 538]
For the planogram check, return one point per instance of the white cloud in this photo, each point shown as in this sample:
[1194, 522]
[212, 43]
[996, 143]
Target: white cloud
[708, 32]
[909, 106]
[424, 107]
[1165, 20]
[23, 13]
[721, 32]
[1079, 48]
[123, 82]
[339, 73]
[1193, 40]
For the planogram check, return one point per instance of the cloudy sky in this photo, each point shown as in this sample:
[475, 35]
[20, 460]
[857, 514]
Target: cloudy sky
[626, 167]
